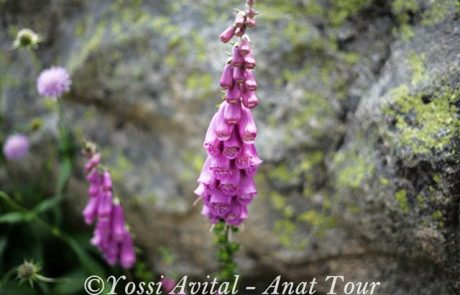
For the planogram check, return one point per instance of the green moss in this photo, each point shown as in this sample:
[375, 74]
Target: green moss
[438, 11]
[417, 65]
[341, 10]
[319, 220]
[437, 216]
[424, 127]
[352, 169]
[384, 181]
[401, 198]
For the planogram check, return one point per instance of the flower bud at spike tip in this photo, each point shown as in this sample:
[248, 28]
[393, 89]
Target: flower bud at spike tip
[250, 22]
[250, 80]
[240, 19]
[228, 34]
[233, 95]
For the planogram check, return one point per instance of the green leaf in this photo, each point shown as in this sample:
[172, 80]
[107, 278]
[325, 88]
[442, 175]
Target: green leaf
[65, 168]
[15, 217]
[46, 205]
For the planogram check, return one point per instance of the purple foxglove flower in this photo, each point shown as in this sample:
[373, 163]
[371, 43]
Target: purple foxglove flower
[94, 190]
[211, 143]
[90, 211]
[220, 167]
[111, 255]
[206, 176]
[238, 75]
[128, 255]
[97, 238]
[16, 147]
[237, 58]
[232, 146]
[247, 190]
[206, 211]
[227, 35]
[251, 12]
[93, 162]
[233, 95]
[53, 82]
[93, 176]
[240, 31]
[250, 99]
[229, 185]
[240, 19]
[221, 128]
[243, 160]
[105, 205]
[220, 204]
[250, 22]
[237, 214]
[107, 181]
[250, 80]
[247, 127]
[251, 2]
[226, 79]
[245, 45]
[232, 113]
[249, 61]
[118, 222]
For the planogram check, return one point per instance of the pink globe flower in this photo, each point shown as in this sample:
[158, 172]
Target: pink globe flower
[53, 82]
[16, 147]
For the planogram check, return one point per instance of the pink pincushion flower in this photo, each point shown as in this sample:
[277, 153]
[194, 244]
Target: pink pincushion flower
[16, 147]
[53, 82]
[226, 182]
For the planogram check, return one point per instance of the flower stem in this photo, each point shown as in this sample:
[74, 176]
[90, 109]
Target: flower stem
[226, 250]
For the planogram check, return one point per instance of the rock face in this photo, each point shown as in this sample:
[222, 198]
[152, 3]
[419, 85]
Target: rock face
[359, 129]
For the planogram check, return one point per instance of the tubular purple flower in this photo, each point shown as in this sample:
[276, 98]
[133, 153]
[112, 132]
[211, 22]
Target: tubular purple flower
[232, 113]
[251, 12]
[226, 79]
[237, 58]
[168, 285]
[243, 160]
[249, 61]
[233, 95]
[107, 181]
[237, 214]
[220, 167]
[211, 143]
[118, 222]
[247, 190]
[128, 256]
[229, 185]
[221, 128]
[90, 210]
[247, 127]
[206, 176]
[238, 75]
[220, 204]
[250, 80]
[240, 19]
[250, 22]
[227, 35]
[16, 147]
[232, 146]
[105, 205]
[53, 82]
[240, 31]
[250, 99]
[245, 45]
[93, 162]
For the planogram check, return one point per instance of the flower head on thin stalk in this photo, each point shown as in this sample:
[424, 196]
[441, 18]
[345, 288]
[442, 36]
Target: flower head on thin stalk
[111, 235]
[226, 183]
[53, 82]
[16, 147]
[26, 38]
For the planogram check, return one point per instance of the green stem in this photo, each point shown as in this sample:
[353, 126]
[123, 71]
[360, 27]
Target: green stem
[226, 250]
